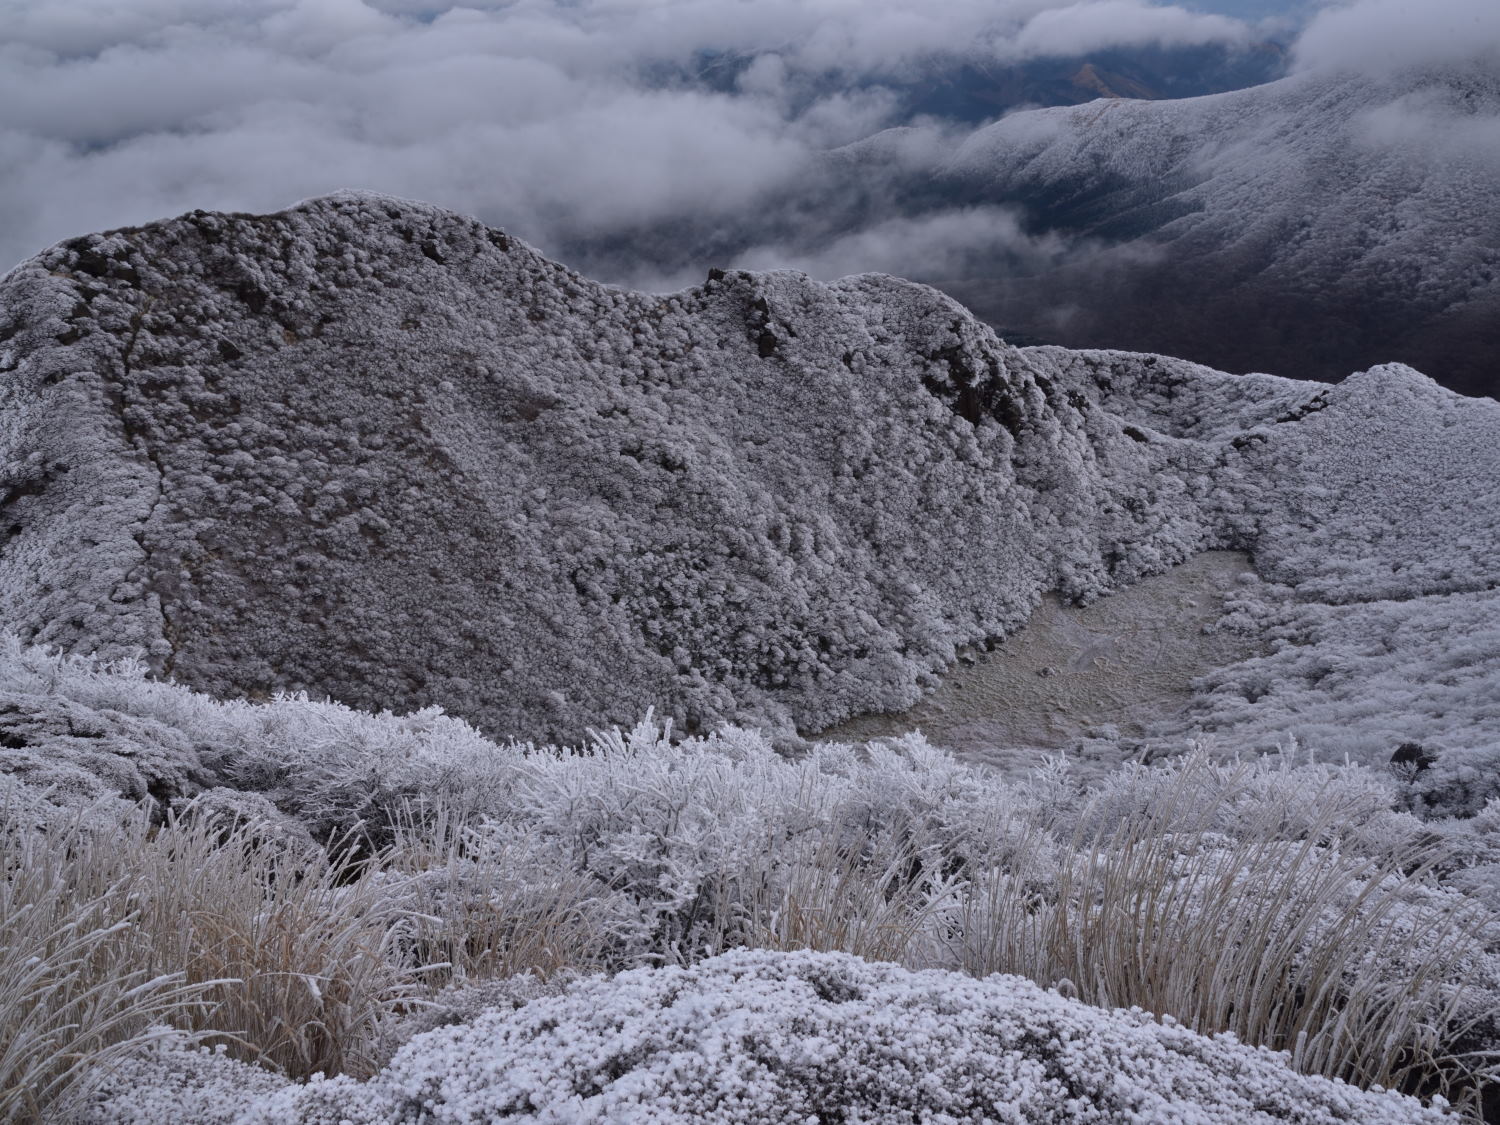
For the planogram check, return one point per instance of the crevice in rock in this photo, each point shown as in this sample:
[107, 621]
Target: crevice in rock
[115, 393]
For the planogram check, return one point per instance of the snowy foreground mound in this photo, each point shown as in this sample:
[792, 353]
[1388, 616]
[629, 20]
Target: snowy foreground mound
[374, 450]
[756, 1037]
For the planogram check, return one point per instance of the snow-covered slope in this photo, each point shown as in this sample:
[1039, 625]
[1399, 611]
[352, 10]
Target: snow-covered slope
[1291, 225]
[375, 450]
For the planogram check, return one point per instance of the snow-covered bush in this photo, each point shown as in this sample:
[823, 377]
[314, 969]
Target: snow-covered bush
[503, 902]
[1286, 795]
[172, 1078]
[82, 731]
[789, 1038]
[708, 832]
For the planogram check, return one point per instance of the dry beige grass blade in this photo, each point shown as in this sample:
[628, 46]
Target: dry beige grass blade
[1278, 940]
[311, 942]
[291, 960]
[859, 899]
[75, 997]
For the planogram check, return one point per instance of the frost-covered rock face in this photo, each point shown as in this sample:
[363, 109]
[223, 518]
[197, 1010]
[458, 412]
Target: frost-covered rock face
[375, 450]
[797, 1037]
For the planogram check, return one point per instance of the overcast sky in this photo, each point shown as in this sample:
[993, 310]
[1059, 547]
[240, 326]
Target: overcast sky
[547, 117]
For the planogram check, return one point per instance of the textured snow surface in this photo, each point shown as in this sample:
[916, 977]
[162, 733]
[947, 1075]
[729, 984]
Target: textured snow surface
[375, 450]
[754, 1037]
[1357, 681]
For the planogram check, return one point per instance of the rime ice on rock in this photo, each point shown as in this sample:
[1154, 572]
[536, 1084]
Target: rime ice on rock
[370, 449]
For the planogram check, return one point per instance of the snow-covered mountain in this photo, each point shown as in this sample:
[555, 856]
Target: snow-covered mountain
[370, 449]
[1307, 226]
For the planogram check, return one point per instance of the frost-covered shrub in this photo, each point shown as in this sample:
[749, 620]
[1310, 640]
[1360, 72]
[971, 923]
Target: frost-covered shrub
[172, 1079]
[503, 902]
[86, 732]
[1476, 846]
[230, 811]
[710, 835]
[1283, 796]
[788, 1038]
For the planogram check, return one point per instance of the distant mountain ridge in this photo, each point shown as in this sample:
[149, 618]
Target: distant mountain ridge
[973, 92]
[1308, 226]
[371, 449]
[1303, 227]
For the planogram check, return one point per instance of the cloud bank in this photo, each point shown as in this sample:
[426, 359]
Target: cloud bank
[560, 121]
[1392, 36]
[642, 139]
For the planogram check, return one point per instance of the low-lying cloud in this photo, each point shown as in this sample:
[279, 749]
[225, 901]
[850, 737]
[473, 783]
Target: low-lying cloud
[560, 121]
[1082, 28]
[611, 125]
[1393, 36]
[957, 243]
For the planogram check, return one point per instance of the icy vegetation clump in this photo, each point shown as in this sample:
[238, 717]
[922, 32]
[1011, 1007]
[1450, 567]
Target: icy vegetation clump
[756, 1036]
[1286, 900]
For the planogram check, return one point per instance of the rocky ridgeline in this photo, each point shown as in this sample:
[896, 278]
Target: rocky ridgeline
[370, 449]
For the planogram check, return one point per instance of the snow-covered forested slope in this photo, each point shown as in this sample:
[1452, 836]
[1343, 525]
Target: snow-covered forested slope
[375, 450]
[1314, 223]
